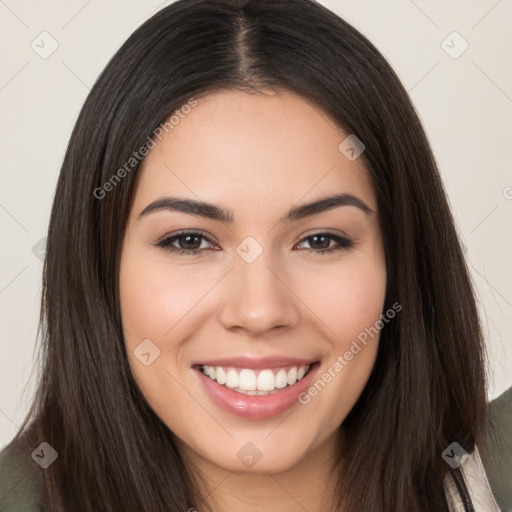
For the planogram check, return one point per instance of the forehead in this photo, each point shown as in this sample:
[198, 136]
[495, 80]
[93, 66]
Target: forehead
[251, 151]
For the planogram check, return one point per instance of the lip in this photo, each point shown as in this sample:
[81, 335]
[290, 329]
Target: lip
[255, 406]
[254, 363]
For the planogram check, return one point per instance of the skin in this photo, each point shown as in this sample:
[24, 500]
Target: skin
[259, 156]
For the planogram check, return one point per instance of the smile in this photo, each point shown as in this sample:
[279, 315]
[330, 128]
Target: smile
[255, 389]
[255, 382]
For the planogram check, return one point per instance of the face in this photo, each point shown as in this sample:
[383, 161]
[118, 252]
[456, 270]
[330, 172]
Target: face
[241, 321]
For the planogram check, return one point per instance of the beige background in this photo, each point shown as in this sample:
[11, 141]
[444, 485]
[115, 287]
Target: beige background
[464, 102]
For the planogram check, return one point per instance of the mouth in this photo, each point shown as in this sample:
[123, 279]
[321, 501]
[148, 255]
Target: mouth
[256, 382]
[255, 393]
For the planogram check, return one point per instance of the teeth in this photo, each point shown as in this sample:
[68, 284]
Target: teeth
[266, 380]
[232, 378]
[282, 378]
[292, 376]
[221, 375]
[248, 382]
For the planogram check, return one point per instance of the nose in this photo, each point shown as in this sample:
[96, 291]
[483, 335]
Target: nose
[258, 297]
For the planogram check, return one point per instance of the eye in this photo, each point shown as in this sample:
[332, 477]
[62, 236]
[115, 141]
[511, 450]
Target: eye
[190, 243]
[320, 243]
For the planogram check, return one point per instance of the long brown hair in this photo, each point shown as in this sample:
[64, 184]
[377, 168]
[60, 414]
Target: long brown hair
[428, 385]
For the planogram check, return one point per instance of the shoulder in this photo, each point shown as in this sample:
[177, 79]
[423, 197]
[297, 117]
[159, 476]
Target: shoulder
[21, 480]
[467, 486]
[497, 454]
[484, 477]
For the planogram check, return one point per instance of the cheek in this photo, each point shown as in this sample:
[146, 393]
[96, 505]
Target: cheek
[153, 300]
[348, 298]
[358, 306]
[157, 302]
[154, 297]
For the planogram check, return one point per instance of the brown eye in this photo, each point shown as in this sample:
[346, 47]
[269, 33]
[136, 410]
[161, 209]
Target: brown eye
[188, 242]
[321, 243]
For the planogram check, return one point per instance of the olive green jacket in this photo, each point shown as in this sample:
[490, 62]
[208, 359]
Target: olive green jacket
[21, 484]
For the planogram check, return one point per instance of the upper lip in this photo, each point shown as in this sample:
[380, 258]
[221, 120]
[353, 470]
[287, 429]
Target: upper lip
[256, 363]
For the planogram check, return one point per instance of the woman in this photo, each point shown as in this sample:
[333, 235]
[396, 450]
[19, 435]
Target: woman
[254, 294]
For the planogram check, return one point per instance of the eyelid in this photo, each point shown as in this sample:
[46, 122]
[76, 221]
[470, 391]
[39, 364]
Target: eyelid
[190, 231]
[342, 241]
[326, 231]
[211, 238]
[182, 232]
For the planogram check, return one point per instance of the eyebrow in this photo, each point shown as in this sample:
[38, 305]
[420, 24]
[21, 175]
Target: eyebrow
[210, 211]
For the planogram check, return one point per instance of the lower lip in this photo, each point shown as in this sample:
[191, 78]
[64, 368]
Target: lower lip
[256, 406]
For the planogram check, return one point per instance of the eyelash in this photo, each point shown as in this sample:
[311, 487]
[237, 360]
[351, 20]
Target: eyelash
[165, 243]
